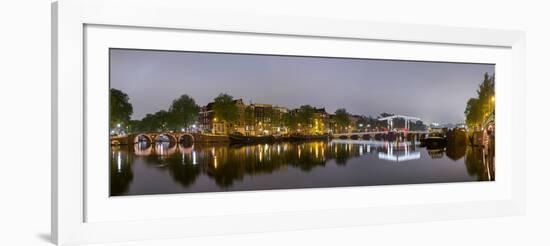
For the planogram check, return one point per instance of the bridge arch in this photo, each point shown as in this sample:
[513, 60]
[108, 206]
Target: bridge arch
[171, 138]
[138, 137]
[186, 139]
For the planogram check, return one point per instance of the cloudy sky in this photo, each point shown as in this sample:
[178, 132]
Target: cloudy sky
[432, 91]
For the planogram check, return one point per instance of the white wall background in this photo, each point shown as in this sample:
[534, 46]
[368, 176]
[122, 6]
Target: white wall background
[25, 122]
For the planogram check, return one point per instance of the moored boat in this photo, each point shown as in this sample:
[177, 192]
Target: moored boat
[240, 138]
[434, 140]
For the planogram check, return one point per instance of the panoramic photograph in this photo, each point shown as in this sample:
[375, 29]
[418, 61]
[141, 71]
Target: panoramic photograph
[188, 122]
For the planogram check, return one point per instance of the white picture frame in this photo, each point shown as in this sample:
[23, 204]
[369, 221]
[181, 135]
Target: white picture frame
[80, 217]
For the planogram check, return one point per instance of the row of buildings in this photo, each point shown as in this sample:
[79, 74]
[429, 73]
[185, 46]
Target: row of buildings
[267, 119]
[264, 119]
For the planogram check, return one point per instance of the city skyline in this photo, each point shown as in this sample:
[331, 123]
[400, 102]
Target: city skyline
[436, 91]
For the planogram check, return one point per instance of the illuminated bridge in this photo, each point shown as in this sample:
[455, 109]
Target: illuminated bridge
[172, 137]
[407, 119]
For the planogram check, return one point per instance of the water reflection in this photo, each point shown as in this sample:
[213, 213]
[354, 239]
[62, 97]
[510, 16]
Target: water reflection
[479, 162]
[399, 152]
[121, 174]
[192, 167]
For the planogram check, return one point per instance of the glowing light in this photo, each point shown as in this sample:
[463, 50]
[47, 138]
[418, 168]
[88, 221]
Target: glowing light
[119, 162]
[316, 151]
[194, 158]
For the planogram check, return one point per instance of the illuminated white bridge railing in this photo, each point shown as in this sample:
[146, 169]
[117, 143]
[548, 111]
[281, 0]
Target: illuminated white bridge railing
[389, 119]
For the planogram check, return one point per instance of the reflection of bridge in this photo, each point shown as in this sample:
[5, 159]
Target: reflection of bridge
[390, 151]
[401, 153]
[172, 137]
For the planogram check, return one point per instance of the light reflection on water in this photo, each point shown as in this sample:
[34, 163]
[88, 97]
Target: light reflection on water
[163, 168]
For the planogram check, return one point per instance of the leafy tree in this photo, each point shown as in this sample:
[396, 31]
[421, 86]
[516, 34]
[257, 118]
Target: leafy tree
[478, 109]
[161, 120]
[155, 122]
[290, 120]
[120, 109]
[341, 117]
[148, 123]
[473, 112]
[225, 109]
[134, 126]
[305, 116]
[183, 112]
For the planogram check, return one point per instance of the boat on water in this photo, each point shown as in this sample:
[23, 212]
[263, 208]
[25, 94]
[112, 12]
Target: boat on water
[434, 140]
[240, 138]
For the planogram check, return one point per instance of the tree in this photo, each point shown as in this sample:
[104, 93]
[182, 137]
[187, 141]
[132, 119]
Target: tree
[161, 120]
[473, 112]
[225, 109]
[148, 124]
[341, 118]
[134, 126]
[305, 116]
[486, 94]
[155, 122]
[183, 112]
[290, 121]
[120, 109]
[479, 109]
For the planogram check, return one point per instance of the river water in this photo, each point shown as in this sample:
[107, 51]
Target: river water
[164, 168]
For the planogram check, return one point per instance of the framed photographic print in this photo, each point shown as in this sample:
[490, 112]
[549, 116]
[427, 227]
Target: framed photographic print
[259, 124]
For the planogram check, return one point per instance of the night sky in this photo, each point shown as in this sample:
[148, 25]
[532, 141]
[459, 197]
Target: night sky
[432, 91]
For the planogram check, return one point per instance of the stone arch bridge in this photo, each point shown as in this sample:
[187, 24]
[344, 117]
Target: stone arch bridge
[172, 137]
